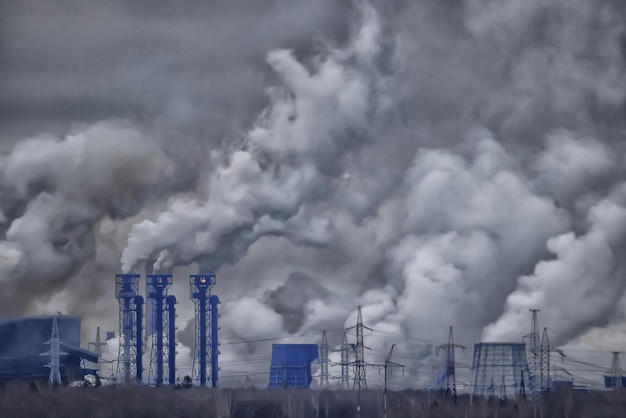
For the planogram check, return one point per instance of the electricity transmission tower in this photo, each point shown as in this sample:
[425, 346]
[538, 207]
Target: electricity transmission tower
[534, 360]
[546, 348]
[450, 364]
[386, 365]
[615, 372]
[55, 354]
[98, 347]
[324, 362]
[345, 361]
[360, 381]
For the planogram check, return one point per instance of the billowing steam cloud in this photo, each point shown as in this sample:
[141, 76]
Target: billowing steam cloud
[286, 164]
[56, 191]
[439, 163]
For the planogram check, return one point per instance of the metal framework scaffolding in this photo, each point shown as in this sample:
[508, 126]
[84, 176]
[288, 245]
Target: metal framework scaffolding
[161, 325]
[499, 368]
[129, 364]
[206, 347]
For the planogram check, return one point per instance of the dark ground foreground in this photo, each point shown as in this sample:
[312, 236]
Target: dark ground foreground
[20, 400]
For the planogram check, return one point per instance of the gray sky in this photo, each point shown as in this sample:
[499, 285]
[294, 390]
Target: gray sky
[439, 163]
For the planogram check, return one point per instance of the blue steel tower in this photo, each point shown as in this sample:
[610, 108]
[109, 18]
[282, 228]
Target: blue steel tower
[129, 362]
[205, 353]
[161, 325]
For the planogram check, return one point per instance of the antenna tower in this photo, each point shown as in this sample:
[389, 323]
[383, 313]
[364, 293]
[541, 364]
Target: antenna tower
[324, 362]
[345, 361]
[129, 361]
[162, 328]
[55, 354]
[205, 354]
[450, 364]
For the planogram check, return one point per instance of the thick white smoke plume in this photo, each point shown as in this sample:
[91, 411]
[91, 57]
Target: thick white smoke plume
[438, 163]
[286, 164]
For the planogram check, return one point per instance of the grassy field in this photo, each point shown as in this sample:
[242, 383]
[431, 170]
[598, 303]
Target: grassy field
[20, 400]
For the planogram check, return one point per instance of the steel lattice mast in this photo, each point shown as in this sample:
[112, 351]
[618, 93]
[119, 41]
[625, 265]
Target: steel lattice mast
[129, 362]
[345, 361]
[163, 329]
[360, 381]
[450, 364]
[545, 362]
[98, 347]
[55, 354]
[615, 372]
[534, 360]
[323, 349]
[205, 354]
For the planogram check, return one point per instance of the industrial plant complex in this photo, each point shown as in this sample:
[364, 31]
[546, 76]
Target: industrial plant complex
[47, 349]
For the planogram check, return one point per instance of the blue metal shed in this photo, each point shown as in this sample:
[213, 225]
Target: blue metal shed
[22, 342]
[291, 365]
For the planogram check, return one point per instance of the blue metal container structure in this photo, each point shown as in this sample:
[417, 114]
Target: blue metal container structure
[130, 357]
[614, 382]
[162, 328]
[22, 342]
[291, 365]
[205, 356]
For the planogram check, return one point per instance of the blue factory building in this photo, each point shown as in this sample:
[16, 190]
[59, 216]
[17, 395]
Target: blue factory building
[23, 342]
[291, 365]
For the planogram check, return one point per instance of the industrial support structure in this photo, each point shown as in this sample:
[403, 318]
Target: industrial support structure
[323, 351]
[129, 364]
[450, 365]
[534, 360]
[345, 361]
[162, 328]
[206, 348]
[55, 354]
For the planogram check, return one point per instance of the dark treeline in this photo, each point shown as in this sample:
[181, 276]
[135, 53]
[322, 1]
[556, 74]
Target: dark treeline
[21, 400]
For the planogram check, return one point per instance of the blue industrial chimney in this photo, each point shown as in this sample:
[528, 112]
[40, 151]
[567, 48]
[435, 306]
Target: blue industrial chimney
[291, 365]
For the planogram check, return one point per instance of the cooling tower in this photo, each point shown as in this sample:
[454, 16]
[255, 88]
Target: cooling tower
[500, 369]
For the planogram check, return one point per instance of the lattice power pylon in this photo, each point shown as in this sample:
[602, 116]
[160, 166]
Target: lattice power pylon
[162, 327]
[534, 360]
[616, 372]
[360, 380]
[323, 349]
[345, 361]
[206, 347]
[545, 362]
[130, 357]
[55, 354]
[450, 364]
[98, 347]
